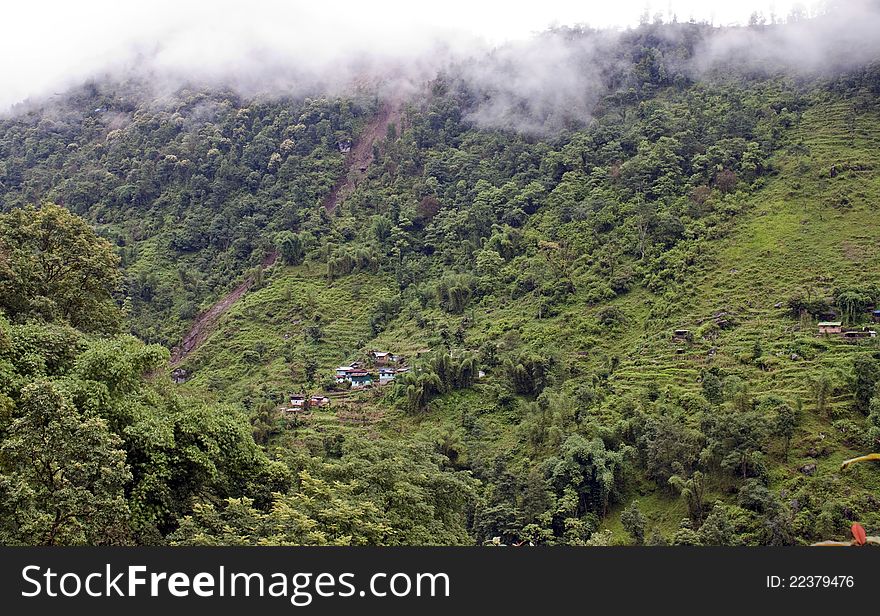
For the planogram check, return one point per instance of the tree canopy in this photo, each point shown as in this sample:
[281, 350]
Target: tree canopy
[54, 267]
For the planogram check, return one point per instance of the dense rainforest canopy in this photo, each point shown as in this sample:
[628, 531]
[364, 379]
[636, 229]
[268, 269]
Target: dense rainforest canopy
[609, 323]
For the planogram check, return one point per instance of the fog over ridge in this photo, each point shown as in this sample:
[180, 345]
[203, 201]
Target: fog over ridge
[530, 83]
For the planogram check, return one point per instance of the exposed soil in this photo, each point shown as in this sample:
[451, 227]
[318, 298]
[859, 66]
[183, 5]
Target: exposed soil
[204, 323]
[357, 161]
[359, 158]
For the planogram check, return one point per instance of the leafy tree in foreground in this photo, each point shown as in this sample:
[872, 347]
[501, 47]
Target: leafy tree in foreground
[320, 513]
[593, 473]
[63, 475]
[866, 371]
[53, 266]
[788, 419]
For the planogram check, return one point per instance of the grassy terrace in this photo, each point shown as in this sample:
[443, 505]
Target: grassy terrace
[796, 236]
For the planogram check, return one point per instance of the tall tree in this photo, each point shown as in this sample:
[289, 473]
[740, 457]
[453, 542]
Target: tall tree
[634, 522]
[53, 266]
[866, 371]
[291, 246]
[63, 475]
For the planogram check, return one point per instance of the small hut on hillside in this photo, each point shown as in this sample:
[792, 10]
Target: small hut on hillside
[856, 334]
[384, 358]
[681, 335]
[827, 328]
[297, 401]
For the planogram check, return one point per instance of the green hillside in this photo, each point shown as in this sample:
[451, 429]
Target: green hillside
[609, 328]
[801, 231]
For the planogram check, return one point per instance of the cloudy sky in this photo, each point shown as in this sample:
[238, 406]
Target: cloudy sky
[47, 45]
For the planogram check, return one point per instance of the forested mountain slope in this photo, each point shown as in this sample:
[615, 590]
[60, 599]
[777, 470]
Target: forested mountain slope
[534, 282]
[174, 181]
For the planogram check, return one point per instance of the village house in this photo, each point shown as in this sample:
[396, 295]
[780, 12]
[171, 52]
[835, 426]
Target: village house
[359, 379]
[386, 375]
[297, 401]
[855, 334]
[354, 374]
[876, 315]
[319, 401]
[296, 407]
[342, 373]
[830, 327]
[383, 358]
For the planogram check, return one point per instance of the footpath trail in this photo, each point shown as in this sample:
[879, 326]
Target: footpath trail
[357, 161]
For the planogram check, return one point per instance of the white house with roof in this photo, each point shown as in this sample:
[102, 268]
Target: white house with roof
[297, 401]
[343, 373]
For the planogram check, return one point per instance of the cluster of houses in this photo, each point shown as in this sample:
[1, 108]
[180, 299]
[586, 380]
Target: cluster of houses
[835, 328]
[385, 366]
[825, 328]
[380, 368]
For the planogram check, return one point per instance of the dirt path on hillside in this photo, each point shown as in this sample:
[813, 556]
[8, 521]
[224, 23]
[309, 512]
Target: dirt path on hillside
[357, 161]
[204, 323]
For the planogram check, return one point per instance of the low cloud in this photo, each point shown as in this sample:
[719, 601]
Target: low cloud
[846, 35]
[534, 84]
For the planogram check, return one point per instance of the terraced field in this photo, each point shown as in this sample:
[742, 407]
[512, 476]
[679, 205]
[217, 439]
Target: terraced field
[795, 236]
